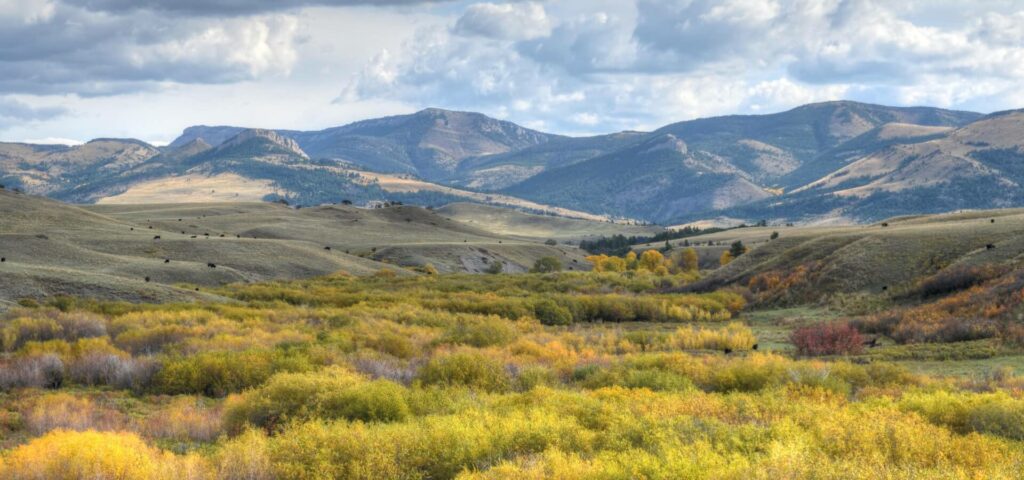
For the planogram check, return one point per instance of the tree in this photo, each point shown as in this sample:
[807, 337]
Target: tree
[650, 260]
[725, 259]
[688, 260]
[551, 242]
[667, 247]
[631, 262]
[737, 248]
[604, 263]
[495, 268]
[546, 265]
[774, 236]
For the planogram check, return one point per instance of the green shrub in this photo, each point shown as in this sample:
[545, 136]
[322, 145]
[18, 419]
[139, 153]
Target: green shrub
[481, 332]
[535, 376]
[376, 401]
[216, 374]
[393, 344]
[546, 265]
[472, 370]
[551, 313]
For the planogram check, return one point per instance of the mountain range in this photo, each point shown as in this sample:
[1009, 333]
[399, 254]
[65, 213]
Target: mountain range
[826, 162]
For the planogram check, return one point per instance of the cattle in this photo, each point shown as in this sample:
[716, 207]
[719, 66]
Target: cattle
[211, 265]
[989, 246]
[728, 351]
[3, 259]
[167, 260]
[327, 248]
[147, 279]
[156, 237]
[754, 347]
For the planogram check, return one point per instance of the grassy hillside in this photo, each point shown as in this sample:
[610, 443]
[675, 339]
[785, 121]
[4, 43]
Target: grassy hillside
[108, 251]
[504, 221]
[871, 258]
[402, 236]
[53, 248]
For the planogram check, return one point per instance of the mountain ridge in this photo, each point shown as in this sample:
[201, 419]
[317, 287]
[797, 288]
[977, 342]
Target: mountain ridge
[787, 165]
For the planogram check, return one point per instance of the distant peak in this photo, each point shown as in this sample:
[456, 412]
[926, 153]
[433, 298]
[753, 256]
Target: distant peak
[197, 145]
[268, 135]
[120, 140]
[436, 111]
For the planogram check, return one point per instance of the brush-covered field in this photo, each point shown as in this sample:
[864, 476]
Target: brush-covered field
[531, 376]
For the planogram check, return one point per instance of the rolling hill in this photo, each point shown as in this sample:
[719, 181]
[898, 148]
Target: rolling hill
[109, 251]
[514, 223]
[877, 258]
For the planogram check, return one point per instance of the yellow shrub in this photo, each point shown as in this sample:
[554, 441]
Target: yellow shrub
[94, 455]
[734, 336]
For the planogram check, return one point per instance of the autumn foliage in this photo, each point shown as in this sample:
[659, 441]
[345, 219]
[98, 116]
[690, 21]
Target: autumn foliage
[827, 339]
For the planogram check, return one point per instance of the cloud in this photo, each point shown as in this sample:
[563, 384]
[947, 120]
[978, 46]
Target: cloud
[228, 7]
[52, 141]
[571, 66]
[52, 48]
[637, 63]
[505, 21]
[13, 111]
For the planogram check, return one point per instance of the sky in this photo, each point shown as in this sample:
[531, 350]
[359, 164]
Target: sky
[73, 70]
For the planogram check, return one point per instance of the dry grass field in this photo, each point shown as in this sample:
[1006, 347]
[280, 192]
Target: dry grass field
[109, 251]
[884, 256]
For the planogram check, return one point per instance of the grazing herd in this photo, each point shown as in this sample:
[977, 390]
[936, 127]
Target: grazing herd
[168, 260]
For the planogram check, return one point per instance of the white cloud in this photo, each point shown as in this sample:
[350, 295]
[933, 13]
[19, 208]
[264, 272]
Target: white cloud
[148, 68]
[510, 21]
[647, 62]
[52, 141]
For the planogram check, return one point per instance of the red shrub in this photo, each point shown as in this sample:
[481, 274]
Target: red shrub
[827, 339]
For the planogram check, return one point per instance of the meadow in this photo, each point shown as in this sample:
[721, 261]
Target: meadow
[557, 375]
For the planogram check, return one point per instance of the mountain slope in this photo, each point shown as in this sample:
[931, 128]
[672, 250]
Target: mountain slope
[659, 179]
[980, 165]
[430, 143]
[833, 161]
[497, 171]
[769, 147]
[48, 169]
